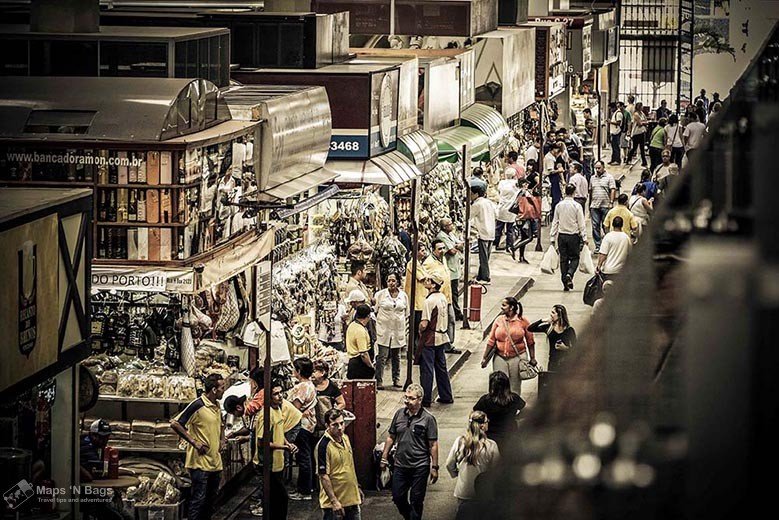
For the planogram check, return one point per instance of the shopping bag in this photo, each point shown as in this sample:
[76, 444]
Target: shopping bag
[550, 261]
[586, 265]
[593, 289]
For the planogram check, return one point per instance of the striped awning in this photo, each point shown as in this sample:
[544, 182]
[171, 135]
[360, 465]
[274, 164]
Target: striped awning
[451, 142]
[421, 148]
[491, 124]
[389, 169]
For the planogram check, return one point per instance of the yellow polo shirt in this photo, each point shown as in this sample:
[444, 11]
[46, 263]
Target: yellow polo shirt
[203, 421]
[629, 222]
[358, 340]
[276, 437]
[291, 415]
[419, 287]
[431, 266]
[336, 460]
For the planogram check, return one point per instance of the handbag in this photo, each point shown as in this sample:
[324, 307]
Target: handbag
[593, 289]
[526, 369]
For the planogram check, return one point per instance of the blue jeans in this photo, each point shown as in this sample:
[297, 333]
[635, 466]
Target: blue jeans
[499, 227]
[597, 215]
[205, 485]
[350, 513]
[615, 151]
[410, 483]
[434, 362]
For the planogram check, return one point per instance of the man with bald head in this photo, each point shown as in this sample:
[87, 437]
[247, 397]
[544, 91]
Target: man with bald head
[454, 252]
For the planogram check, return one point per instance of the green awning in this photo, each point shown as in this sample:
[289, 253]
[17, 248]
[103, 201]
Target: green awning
[451, 141]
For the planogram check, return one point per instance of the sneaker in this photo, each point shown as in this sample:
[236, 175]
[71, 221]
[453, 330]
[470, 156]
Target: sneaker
[397, 384]
[379, 387]
[256, 511]
[441, 401]
[454, 351]
[299, 496]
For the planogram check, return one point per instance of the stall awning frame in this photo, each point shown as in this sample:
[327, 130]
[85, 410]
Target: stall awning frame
[297, 185]
[421, 148]
[490, 122]
[451, 142]
[390, 169]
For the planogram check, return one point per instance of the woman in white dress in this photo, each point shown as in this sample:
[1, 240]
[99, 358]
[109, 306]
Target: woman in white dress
[640, 207]
[391, 317]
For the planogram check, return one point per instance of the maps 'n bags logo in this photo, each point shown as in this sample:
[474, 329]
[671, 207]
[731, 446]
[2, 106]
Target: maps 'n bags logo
[18, 495]
[28, 308]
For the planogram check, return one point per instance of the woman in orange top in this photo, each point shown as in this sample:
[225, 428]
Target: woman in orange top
[508, 349]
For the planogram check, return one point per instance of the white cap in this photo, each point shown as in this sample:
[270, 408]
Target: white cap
[355, 296]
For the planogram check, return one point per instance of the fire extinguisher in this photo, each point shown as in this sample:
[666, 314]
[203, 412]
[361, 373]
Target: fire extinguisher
[474, 301]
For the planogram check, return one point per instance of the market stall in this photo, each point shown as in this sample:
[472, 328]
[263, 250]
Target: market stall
[46, 260]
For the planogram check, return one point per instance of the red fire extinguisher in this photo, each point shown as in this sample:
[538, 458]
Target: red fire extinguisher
[474, 301]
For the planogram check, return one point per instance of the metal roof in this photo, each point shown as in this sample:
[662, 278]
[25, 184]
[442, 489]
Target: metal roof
[17, 202]
[121, 109]
[111, 32]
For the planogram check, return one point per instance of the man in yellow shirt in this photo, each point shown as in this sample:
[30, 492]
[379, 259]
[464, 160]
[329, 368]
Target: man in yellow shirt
[200, 424]
[630, 223]
[358, 345]
[340, 495]
[278, 444]
[420, 291]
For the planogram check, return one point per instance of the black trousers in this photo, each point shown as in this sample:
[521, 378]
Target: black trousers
[638, 142]
[655, 157]
[409, 486]
[305, 442]
[569, 249]
[279, 499]
[615, 151]
[205, 485]
[485, 248]
[458, 313]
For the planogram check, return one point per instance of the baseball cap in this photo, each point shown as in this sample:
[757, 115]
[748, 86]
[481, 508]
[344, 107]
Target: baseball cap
[355, 296]
[232, 401]
[436, 278]
[100, 427]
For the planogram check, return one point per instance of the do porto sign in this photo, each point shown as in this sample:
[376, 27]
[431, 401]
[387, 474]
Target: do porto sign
[146, 280]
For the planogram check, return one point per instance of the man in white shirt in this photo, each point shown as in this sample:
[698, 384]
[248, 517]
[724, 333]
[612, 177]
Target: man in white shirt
[550, 159]
[693, 134]
[614, 250]
[533, 151]
[569, 234]
[434, 343]
[483, 216]
[582, 186]
[615, 131]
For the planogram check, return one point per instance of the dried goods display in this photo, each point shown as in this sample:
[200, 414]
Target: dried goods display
[358, 220]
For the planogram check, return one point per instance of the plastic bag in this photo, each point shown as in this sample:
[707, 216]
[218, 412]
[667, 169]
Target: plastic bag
[550, 261]
[586, 265]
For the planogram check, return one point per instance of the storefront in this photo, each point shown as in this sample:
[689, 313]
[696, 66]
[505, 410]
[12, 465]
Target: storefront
[46, 256]
[162, 318]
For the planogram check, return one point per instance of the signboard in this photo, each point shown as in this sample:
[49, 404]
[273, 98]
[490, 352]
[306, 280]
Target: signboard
[442, 94]
[365, 16]
[30, 299]
[264, 294]
[139, 279]
[384, 111]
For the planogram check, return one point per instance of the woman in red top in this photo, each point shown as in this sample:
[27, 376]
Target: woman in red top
[509, 348]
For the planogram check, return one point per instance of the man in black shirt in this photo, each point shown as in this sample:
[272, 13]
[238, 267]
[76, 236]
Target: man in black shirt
[415, 432]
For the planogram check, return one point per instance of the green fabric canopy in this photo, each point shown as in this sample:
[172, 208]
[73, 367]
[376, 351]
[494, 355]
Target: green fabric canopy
[450, 144]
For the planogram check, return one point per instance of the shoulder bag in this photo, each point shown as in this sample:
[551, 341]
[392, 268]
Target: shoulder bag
[526, 370]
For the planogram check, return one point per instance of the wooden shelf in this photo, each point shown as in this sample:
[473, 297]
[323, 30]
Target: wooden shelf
[152, 400]
[144, 186]
[141, 224]
[137, 449]
[59, 184]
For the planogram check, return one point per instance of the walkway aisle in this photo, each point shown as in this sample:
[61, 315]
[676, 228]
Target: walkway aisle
[471, 381]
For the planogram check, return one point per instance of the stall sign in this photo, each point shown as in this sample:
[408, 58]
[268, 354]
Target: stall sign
[144, 280]
[29, 299]
[384, 111]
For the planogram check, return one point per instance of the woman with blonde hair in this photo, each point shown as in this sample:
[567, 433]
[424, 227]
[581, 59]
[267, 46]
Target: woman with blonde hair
[471, 455]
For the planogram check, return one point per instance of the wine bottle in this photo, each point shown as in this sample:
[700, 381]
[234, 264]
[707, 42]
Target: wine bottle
[142, 168]
[102, 207]
[181, 247]
[113, 169]
[132, 207]
[111, 211]
[101, 246]
[111, 252]
[132, 171]
[141, 205]
[121, 205]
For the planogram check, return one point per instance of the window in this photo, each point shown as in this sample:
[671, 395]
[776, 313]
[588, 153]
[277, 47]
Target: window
[59, 121]
[136, 59]
[63, 58]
